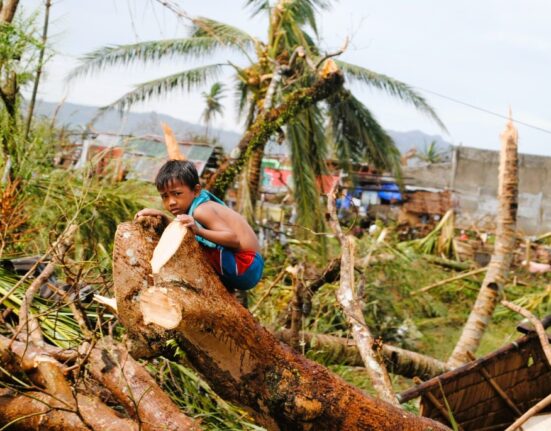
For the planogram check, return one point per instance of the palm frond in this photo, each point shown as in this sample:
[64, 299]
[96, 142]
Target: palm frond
[146, 53]
[306, 140]
[391, 86]
[184, 81]
[224, 34]
[357, 134]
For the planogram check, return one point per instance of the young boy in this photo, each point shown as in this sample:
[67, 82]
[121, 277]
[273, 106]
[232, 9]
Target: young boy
[230, 243]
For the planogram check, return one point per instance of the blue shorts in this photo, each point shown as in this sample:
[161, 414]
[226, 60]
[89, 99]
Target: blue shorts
[240, 270]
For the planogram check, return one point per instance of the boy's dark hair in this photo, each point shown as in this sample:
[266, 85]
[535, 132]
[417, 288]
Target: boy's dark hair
[182, 171]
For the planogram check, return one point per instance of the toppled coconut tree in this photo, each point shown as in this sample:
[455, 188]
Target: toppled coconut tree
[185, 303]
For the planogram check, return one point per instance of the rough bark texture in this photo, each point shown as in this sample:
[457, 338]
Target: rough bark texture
[241, 360]
[498, 269]
[58, 407]
[7, 10]
[267, 123]
[135, 389]
[345, 352]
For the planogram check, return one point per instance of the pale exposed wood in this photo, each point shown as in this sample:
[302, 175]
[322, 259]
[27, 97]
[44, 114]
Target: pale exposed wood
[530, 412]
[538, 327]
[498, 269]
[172, 147]
[169, 243]
[110, 303]
[352, 308]
[157, 307]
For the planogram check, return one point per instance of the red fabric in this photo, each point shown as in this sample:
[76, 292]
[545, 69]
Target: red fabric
[243, 259]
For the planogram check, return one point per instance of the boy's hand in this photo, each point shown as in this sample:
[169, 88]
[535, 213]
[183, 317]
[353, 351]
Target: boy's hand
[187, 221]
[151, 212]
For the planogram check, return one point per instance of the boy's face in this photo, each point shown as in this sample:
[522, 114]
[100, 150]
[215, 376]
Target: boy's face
[177, 197]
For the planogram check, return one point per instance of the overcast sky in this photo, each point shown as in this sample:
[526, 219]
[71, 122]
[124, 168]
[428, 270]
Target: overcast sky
[491, 54]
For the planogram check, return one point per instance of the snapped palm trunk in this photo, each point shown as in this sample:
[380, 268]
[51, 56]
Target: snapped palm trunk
[186, 304]
[498, 269]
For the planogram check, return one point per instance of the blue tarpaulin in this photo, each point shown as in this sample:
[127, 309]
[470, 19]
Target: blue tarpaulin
[390, 192]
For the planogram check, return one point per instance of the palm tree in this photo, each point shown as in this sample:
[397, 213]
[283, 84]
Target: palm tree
[431, 154]
[213, 105]
[271, 70]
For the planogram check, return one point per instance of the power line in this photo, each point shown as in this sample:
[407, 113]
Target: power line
[486, 111]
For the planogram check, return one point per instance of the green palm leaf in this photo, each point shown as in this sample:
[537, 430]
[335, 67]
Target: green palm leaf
[225, 34]
[187, 80]
[147, 52]
[357, 134]
[391, 86]
[306, 140]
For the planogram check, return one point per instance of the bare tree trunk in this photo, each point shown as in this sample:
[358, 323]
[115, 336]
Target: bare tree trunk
[7, 10]
[241, 360]
[39, 68]
[498, 269]
[343, 351]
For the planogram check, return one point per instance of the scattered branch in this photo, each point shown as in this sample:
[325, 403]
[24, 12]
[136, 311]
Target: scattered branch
[538, 327]
[529, 413]
[28, 324]
[352, 308]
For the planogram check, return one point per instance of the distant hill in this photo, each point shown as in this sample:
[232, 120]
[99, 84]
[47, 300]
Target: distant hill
[134, 123]
[138, 123]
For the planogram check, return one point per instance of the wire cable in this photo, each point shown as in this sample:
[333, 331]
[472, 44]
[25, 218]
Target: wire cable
[487, 111]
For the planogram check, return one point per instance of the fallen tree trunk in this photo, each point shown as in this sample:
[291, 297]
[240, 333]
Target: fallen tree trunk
[342, 351]
[58, 406]
[240, 359]
[137, 391]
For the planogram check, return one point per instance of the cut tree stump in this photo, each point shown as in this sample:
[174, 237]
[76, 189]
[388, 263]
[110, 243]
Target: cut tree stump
[239, 358]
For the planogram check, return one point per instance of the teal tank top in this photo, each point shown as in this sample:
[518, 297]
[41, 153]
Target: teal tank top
[203, 197]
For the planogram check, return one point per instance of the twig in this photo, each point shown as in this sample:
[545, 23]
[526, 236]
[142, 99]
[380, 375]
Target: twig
[540, 330]
[449, 280]
[333, 54]
[26, 317]
[267, 293]
[530, 412]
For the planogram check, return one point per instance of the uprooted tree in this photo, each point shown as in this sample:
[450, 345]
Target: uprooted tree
[185, 303]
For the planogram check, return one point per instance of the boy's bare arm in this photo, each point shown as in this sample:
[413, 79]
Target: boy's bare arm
[152, 212]
[215, 227]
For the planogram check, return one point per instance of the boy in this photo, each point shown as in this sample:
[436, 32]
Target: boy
[230, 243]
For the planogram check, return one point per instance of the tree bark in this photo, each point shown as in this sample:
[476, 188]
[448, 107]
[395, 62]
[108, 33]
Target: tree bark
[343, 351]
[7, 10]
[59, 406]
[112, 366]
[267, 123]
[39, 67]
[498, 269]
[240, 359]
